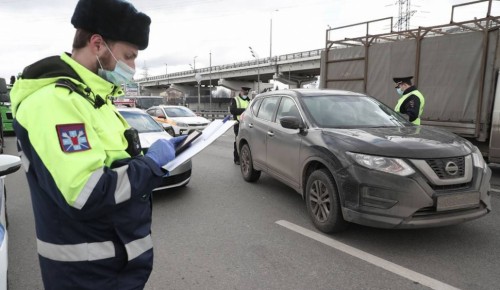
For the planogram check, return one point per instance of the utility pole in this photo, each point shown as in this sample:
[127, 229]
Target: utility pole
[404, 15]
[271, 36]
[256, 56]
[210, 82]
[166, 74]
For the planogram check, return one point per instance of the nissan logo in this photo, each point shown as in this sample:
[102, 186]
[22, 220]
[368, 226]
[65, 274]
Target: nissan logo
[451, 168]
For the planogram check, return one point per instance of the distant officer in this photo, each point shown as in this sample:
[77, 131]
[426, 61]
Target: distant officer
[411, 101]
[90, 184]
[237, 106]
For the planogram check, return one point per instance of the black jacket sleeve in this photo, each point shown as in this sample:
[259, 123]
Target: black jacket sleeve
[411, 107]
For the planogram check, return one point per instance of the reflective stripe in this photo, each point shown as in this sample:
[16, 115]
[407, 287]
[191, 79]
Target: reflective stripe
[139, 246]
[123, 190]
[24, 159]
[88, 188]
[76, 253]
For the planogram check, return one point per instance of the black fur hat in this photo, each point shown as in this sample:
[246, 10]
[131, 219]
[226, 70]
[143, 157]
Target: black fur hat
[113, 19]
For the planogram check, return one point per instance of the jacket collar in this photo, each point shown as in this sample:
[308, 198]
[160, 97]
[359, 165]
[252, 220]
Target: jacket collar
[97, 84]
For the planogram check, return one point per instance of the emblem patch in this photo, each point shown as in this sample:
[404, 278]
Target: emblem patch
[72, 137]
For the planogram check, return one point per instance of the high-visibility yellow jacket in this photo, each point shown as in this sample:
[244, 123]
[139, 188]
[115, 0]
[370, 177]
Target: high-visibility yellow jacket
[88, 194]
[420, 109]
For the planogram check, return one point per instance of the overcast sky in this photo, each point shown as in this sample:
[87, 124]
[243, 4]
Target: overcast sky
[183, 29]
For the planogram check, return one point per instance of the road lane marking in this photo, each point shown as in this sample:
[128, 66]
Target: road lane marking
[374, 260]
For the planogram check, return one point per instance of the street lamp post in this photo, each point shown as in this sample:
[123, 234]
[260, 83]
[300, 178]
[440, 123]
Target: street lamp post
[166, 74]
[271, 36]
[197, 76]
[198, 79]
[210, 82]
[256, 56]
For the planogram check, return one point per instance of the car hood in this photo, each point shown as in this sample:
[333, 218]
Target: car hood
[417, 142]
[149, 138]
[191, 120]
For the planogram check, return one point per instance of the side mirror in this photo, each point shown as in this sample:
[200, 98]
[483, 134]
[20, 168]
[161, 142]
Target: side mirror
[291, 122]
[162, 117]
[9, 164]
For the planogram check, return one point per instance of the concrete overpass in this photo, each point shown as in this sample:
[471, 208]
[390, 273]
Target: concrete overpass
[294, 69]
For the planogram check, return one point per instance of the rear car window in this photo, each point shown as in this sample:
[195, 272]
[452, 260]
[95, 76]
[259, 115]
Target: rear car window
[255, 106]
[266, 110]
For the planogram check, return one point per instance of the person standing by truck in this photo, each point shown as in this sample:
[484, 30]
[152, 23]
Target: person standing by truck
[411, 102]
[90, 183]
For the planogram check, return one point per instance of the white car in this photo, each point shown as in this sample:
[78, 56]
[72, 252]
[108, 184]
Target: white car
[150, 131]
[8, 164]
[182, 119]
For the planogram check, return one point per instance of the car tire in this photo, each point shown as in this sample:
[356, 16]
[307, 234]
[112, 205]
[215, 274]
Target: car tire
[323, 202]
[246, 165]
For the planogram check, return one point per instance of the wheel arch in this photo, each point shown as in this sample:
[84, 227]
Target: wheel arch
[316, 163]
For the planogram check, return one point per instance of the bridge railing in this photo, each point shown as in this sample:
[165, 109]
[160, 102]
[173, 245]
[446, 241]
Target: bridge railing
[260, 61]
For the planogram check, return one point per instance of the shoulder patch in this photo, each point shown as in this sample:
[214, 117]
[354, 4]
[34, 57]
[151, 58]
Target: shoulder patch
[72, 137]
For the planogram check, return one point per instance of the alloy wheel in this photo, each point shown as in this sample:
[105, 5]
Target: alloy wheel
[320, 200]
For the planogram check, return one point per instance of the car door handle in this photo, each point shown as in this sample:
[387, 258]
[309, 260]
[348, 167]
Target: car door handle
[250, 125]
[270, 133]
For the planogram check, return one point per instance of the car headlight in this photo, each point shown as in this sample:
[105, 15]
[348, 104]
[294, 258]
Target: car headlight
[181, 124]
[384, 164]
[477, 158]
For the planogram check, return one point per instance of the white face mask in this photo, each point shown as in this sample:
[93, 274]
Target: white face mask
[400, 91]
[122, 74]
[245, 97]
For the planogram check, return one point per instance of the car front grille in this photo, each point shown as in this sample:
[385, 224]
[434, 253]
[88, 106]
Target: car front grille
[459, 186]
[174, 179]
[432, 212]
[446, 173]
[439, 166]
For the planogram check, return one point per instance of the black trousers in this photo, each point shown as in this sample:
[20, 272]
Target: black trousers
[236, 128]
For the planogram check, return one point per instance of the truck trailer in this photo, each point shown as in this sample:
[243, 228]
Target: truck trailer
[455, 65]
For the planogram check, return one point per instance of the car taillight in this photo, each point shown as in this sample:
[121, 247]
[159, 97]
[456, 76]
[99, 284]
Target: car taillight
[242, 116]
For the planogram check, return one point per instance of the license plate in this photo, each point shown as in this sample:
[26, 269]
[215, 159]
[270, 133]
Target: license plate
[456, 201]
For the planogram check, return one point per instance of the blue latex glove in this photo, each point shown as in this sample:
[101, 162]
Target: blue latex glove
[162, 151]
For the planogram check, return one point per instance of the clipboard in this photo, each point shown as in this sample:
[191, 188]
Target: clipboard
[213, 131]
[185, 144]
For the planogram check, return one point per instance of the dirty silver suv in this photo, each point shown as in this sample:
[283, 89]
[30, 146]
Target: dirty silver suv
[353, 159]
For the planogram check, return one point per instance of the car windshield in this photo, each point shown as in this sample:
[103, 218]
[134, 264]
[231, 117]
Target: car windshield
[173, 112]
[351, 112]
[141, 122]
[145, 102]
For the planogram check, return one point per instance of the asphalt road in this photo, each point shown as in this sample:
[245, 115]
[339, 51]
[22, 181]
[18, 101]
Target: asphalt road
[220, 232]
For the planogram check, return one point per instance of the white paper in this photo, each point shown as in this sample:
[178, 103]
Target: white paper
[213, 131]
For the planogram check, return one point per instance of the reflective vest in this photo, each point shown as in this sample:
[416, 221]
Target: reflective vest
[422, 103]
[88, 194]
[241, 104]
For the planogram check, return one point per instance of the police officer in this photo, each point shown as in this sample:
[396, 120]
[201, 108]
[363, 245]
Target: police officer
[236, 107]
[411, 101]
[90, 184]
